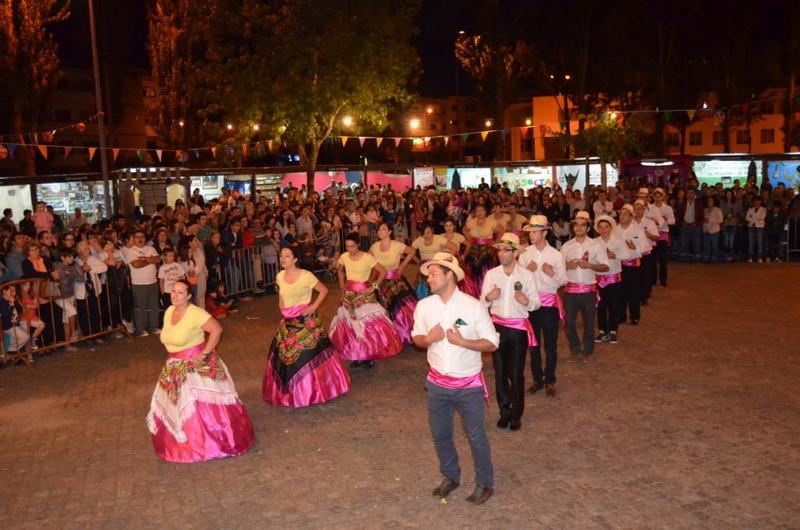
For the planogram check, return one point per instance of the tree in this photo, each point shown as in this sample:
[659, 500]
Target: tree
[29, 64]
[334, 59]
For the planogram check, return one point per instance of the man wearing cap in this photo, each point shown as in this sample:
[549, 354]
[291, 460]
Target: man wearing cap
[664, 217]
[650, 228]
[548, 268]
[633, 236]
[584, 259]
[455, 328]
[509, 291]
[610, 283]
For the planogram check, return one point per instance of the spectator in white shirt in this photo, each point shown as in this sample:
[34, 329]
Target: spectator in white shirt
[509, 291]
[756, 218]
[602, 206]
[455, 328]
[712, 222]
[142, 260]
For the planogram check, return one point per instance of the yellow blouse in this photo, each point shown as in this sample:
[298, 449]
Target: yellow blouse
[187, 332]
[358, 270]
[517, 222]
[481, 232]
[457, 239]
[298, 292]
[427, 251]
[391, 258]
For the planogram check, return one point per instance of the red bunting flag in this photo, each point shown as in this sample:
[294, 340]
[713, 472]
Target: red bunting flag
[92, 151]
[214, 152]
[67, 151]
[114, 153]
[245, 149]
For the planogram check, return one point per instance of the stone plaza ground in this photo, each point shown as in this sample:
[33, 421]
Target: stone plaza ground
[691, 421]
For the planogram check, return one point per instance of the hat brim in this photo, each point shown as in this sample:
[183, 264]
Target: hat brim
[587, 221]
[504, 245]
[459, 272]
[537, 228]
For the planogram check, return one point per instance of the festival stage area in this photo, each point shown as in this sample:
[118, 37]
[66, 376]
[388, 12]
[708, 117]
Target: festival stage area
[691, 421]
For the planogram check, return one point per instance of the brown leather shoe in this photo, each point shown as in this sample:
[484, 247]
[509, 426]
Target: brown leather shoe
[535, 387]
[480, 495]
[445, 488]
[550, 390]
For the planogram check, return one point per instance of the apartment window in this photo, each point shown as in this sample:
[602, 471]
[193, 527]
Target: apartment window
[63, 116]
[470, 123]
[696, 138]
[719, 138]
[527, 145]
[767, 136]
[743, 137]
[471, 107]
[672, 139]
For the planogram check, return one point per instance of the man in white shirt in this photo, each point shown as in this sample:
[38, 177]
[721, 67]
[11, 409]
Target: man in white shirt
[549, 271]
[584, 259]
[633, 236]
[664, 217]
[90, 301]
[455, 328]
[142, 260]
[610, 282]
[509, 291]
[602, 206]
[648, 259]
[756, 218]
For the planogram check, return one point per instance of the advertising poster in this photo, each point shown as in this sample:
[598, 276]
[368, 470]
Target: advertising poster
[423, 177]
[524, 177]
[784, 171]
[726, 171]
[576, 174]
[467, 177]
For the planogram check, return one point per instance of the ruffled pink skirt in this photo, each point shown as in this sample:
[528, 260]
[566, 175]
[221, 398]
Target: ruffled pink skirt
[371, 336]
[314, 384]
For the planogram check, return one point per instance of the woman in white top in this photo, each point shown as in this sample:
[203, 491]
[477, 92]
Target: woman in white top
[712, 221]
[756, 218]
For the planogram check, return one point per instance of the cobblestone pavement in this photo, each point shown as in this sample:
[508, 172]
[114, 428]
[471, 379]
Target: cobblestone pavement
[691, 421]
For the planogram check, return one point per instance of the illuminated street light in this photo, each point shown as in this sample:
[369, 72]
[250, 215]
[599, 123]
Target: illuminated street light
[180, 123]
[552, 76]
[229, 126]
[528, 121]
[461, 32]
[613, 115]
[429, 110]
[255, 127]
[413, 123]
[567, 77]
[705, 105]
[347, 121]
[488, 123]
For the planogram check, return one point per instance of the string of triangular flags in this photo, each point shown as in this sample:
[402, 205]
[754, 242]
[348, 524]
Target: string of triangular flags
[49, 135]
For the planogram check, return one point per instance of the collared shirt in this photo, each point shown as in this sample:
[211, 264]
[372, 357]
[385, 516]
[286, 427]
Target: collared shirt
[635, 233]
[444, 357]
[506, 306]
[621, 251]
[589, 249]
[664, 213]
[712, 220]
[650, 227]
[688, 216]
[549, 255]
[600, 208]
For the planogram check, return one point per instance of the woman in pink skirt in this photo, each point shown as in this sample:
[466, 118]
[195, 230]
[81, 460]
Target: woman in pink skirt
[302, 366]
[195, 413]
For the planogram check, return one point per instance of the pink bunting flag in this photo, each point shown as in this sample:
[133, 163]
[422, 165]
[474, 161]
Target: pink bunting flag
[67, 151]
[214, 152]
[361, 140]
[158, 154]
[114, 153]
[397, 141]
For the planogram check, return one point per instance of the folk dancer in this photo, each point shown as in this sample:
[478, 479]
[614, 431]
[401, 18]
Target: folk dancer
[648, 257]
[633, 236]
[610, 283]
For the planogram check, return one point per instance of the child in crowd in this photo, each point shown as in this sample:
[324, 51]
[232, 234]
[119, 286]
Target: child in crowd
[326, 244]
[170, 272]
[218, 304]
[775, 223]
[30, 314]
[290, 239]
[69, 272]
[15, 337]
[400, 229]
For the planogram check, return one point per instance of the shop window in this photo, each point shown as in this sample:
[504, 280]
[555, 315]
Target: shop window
[743, 137]
[673, 139]
[696, 138]
[718, 138]
[767, 136]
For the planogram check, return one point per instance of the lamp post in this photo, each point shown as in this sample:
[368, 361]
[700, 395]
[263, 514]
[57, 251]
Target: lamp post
[101, 128]
[461, 33]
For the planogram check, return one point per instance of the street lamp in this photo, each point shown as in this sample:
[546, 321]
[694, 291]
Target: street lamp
[229, 126]
[528, 121]
[488, 123]
[256, 127]
[347, 121]
[413, 123]
[180, 123]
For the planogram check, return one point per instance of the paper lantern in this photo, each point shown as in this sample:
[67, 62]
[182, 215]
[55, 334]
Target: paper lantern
[48, 136]
[3, 152]
[81, 127]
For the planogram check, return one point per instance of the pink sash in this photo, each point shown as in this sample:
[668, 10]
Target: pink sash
[187, 354]
[357, 287]
[294, 311]
[631, 262]
[455, 383]
[393, 274]
[522, 324]
[608, 279]
[552, 300]
[580, 288]
[664, 236]
[482, 241]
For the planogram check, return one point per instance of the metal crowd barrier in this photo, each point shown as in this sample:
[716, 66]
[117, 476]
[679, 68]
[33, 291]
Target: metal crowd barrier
[37, 321]
[793, 238]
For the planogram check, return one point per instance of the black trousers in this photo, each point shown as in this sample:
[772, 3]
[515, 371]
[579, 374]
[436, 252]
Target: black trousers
[609, 308]
[585, 304]
[89, 311]
[545, 326]
[660, 255]
[631, 287]
[509, 371]
[648, 275]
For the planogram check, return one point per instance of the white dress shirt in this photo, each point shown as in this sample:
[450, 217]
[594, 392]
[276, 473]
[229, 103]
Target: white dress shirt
[444, 357]
[621, 251]
[549, 255]
[756, 218]
[97, 268]
[506, 306]
[665, 213]
[650, 227]
[603, 208]
[590, 249]
[634, 232]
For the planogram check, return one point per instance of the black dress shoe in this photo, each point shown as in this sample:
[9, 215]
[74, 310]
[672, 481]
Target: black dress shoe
[445, 488]
[368, 364]
[480, 495]
[355, 364]
[503, 422]
[535, 387]
[515, 425]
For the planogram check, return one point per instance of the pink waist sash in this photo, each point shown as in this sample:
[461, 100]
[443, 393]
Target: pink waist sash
[552, 300]
[455, 383]
[580, 288]
[608, 279]
[664, 236]
[631, 262]
[187, 354]
[294, 311]
[393, 274]
[522, 324]
[357, 287]
[482, 241]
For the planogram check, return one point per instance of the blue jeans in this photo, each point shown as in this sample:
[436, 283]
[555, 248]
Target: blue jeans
[690, 242]
[711, 246]
[469, 403]
[728, 237]
[755, 242]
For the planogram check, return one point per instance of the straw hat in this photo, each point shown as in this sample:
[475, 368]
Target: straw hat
[607, 218]
[627, 208]
[644, 191]
[444, 259]
[639, 202]
[582, 217]
[509, 239]
[537, 224]
[658, 191]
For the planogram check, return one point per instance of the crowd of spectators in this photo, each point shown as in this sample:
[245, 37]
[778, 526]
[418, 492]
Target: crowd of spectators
[117, 273]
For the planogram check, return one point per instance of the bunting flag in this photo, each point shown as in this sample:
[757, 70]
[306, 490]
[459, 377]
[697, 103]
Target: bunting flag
[67, 151]
[504, 133]
[361, 140]
[691, 114]
[379, 140]
[245, 149]
[140, 155]
[214, 152]
[446, 140]
[465, 137]
[667, 115]
[11, 148]
[43, 150]
[397, 141]
[196, 153]
[158, 154]
[92, 151]
[269, 145]
[484, 134]
[114, 153]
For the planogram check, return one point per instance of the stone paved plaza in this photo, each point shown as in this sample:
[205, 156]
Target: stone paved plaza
[691, 421]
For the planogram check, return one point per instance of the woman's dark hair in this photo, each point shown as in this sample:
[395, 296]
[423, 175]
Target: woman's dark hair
[352, 236]
[290, 249]
[186, 283]
[424, 226]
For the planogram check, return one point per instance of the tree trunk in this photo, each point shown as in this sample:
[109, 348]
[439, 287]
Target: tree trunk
[603, 175]
[311, 156]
